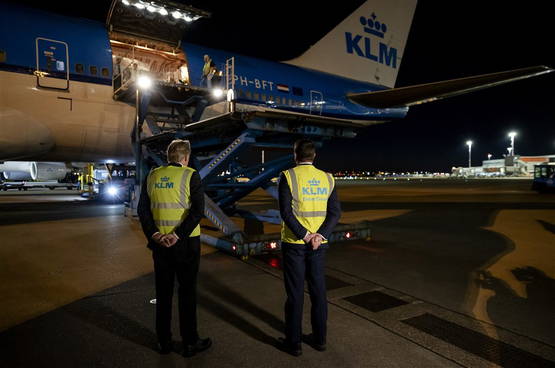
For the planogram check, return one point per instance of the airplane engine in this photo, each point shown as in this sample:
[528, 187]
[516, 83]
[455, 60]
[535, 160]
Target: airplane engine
[30, 170]
[19, 170]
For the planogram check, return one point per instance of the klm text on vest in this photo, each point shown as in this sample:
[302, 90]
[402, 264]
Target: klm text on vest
[164, 183]
[313, 191]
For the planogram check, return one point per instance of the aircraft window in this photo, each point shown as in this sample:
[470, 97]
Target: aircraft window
[256, 96]
[105, 72]
[263, 97]
[249, 94]
[2, 56]
[290, 102]
[93, 70]
[297, 91]
[240, 93]
[278, 100]
[79, 68]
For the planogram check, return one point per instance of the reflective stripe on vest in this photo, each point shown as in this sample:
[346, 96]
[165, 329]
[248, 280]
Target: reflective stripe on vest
[310, 190]
[170, 199]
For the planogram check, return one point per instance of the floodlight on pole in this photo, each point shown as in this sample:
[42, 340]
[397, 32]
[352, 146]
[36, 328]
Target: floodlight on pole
[512, 135]
[469, 144]
[489, 156]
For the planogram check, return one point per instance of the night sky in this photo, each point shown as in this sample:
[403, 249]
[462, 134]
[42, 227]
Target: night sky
[448, 39]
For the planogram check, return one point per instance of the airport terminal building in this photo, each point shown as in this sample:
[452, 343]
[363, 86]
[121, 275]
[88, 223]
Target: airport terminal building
[522, 166]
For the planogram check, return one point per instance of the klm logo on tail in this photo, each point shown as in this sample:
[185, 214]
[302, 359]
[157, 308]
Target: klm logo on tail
[372, 48]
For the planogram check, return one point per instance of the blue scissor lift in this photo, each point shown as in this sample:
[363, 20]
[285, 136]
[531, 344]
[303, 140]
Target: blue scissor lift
[223, 155]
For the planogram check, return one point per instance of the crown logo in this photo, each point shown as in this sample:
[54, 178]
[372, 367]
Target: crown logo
[373, 26]
[165, 178]
[314, 182]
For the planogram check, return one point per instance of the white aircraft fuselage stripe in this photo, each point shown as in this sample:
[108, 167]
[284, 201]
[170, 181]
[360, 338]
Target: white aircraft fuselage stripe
[84, 123]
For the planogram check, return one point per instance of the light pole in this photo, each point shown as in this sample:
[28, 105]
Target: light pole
[469, 144]
[512, 135]
[143, 83]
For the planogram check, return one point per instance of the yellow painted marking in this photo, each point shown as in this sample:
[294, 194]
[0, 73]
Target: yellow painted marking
[534, 246]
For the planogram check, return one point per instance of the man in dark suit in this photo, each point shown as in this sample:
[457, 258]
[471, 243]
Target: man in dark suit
[309, 209]
[170, 209]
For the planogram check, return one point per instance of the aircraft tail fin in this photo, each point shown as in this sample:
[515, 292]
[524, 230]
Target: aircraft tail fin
[366, 46]
[429, 92]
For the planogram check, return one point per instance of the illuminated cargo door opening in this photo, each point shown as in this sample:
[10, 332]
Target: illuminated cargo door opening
[52, 64]
[145, 38]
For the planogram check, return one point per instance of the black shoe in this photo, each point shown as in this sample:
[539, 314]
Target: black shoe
[197, 347]
[165, 347]
[309, 339]
[293, 349]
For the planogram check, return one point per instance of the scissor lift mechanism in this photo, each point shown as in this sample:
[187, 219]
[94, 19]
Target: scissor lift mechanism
[217, 144]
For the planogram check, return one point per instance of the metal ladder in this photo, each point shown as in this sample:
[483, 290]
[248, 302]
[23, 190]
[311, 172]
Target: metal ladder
[230, 83]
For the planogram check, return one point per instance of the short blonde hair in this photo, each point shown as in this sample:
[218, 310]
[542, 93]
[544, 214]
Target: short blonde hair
[178, 149]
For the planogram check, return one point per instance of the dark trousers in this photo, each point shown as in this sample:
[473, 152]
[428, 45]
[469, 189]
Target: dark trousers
[300, 262]
[181, 261]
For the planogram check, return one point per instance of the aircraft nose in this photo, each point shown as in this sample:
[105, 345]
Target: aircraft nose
[22, 136]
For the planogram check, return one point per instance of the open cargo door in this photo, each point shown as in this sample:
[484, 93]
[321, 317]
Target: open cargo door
[160, 21]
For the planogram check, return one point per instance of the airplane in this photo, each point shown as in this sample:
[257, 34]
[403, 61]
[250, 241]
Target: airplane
[76, 91]
[57, 76]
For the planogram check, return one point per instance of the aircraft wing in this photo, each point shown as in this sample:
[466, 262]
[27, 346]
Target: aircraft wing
[422, 93]
[248, 113]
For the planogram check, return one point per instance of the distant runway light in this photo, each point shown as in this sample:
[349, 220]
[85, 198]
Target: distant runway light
[163, 11]
[125, 2]
[176, 14]
[151, 8]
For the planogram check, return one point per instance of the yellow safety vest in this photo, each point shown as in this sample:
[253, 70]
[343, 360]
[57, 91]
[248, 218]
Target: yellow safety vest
[170, 197]
[206, 68]
[310, 190]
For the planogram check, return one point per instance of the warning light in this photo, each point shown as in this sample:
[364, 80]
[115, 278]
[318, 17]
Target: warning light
[234, 247]
[348, 235]
[274, 262]
[271, 245]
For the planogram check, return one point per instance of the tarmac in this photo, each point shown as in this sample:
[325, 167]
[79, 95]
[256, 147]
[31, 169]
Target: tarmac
[457, 273]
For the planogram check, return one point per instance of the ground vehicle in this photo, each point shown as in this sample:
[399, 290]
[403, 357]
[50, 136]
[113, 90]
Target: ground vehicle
[544, 178]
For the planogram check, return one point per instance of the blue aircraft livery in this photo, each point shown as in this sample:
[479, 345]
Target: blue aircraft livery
[349, 75]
